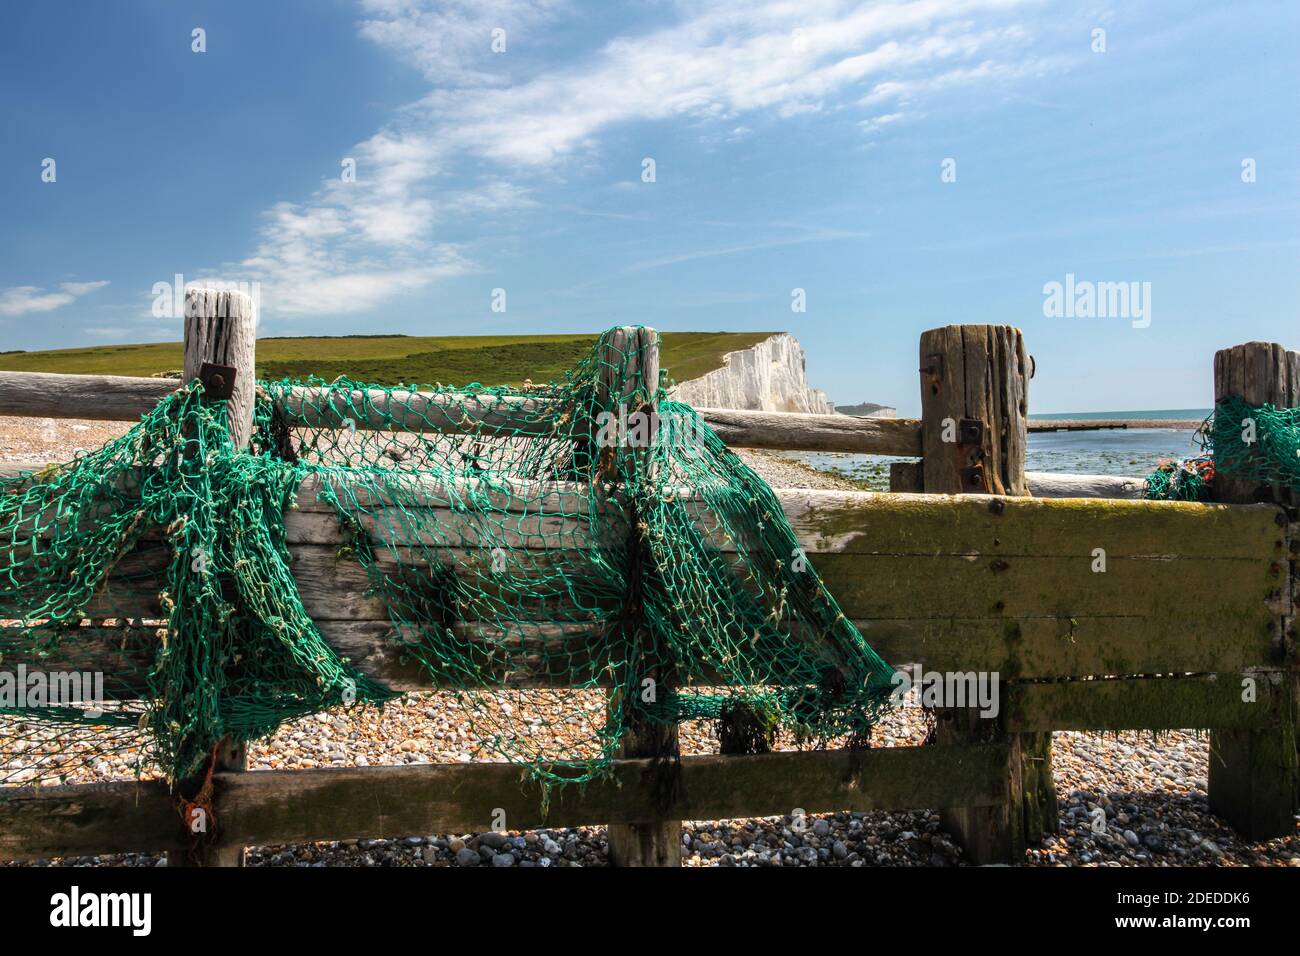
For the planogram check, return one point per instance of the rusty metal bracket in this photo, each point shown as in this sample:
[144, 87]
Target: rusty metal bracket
[971, 431]
[932, 372]
[218, 380]
[972, 478]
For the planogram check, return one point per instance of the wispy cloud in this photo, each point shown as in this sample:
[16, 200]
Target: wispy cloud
[23, 299]
[821, 235]
[482, 142]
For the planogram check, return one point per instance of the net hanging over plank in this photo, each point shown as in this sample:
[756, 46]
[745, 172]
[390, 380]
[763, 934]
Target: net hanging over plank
[587, 534]
[1242, 440]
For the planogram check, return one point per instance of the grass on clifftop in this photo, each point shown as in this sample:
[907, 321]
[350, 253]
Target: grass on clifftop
[390, 359]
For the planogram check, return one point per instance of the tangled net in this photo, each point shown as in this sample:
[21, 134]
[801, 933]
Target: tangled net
[1251, 442]
[573, 541]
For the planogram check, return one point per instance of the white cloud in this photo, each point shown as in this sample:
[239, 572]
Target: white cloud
[78, 289]
[450, 41]
[815, 235]
[877, 123]
[22, 299]
[498, 125]
[725, 62]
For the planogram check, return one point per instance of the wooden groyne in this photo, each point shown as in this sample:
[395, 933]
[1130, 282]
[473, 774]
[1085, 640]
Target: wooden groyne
[1093, 614]
[1101, 424]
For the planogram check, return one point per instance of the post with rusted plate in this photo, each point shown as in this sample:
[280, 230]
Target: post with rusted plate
[635, 352]
[1254, 780]
[220, 345]
[974, 429]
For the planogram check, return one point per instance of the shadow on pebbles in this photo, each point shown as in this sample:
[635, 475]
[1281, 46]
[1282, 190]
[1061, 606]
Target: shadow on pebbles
[1151, 791]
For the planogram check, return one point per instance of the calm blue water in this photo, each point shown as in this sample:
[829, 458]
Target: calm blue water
[1131, 452]
[1197, 415]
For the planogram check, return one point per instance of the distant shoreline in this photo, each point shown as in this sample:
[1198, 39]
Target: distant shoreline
[1141, 414]
[1099, 424]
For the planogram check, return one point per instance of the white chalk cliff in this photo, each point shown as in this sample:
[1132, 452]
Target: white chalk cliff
[769, 377]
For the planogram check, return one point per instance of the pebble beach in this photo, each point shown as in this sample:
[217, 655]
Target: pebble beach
[1126, 799]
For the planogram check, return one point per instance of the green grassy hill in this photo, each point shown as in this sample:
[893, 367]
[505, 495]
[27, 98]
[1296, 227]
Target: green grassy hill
[390, 359]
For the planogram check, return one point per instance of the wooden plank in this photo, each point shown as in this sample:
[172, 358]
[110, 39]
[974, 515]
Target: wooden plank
[88, 819]
[854, 522]
[851, 522]
[298, 806]
[110, 398]
[403, 410]
[1170, 597]
[1051, 647]
[1021, 648]
[125, 398]
[1031, 606]
[794, 431]
[1049, 484]
[121, 398]
[1187, 592]
[1150, 703]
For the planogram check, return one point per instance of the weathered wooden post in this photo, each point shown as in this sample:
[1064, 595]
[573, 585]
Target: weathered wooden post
[220, 344]
[1254, 781]
[974, 429]
[632, 357]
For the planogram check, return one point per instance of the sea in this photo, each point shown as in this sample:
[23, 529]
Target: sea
[1128, 452]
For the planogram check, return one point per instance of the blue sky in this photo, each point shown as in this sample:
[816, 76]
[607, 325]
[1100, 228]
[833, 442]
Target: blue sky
[796, 145]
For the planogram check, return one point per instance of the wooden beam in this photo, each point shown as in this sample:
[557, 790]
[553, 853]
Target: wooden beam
[856, 522]
[402, 410]
[793, 431]
[1150, 703]
[299, 806]
[539, 516]
[120, 398]
[1049, 484]
[1187, 587]
[1254, 780]
[111, 398]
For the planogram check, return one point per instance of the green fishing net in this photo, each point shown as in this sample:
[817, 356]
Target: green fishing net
[569, 560]
[1241, 440]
